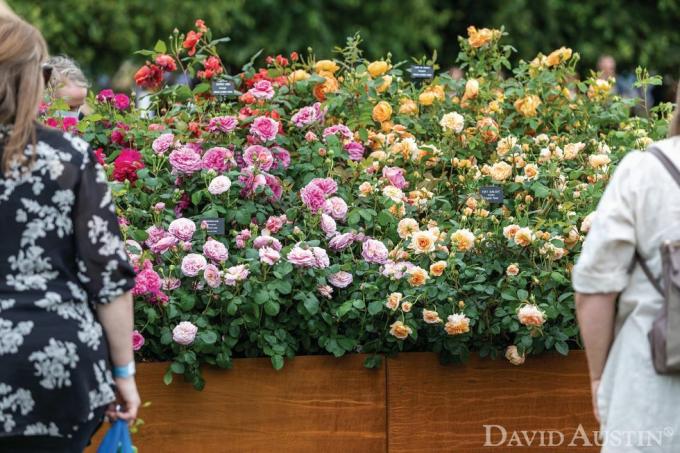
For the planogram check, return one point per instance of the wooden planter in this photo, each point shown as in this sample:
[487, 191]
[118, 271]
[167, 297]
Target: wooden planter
[411, 404]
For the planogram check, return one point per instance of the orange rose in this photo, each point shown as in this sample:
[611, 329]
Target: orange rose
[488, 129]
[417, 276]
[437, 269]
[478, 38]
[528, 105]
[558, 56]
[382, 112]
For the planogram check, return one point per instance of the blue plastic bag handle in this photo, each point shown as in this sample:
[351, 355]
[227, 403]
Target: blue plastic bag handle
[118, 437]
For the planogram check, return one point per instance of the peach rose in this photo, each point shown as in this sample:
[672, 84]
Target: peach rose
[531, 172]
[457, 324]
[417, 276]
[531, 315]
[528, 105]
[407, 227]
[471, 89]
[464, 240]
[382, 112]
[452, 121]
[400, 330]
[505, 145]
[513, 355]
[385, 85]
[558, 56]
[365, 189]
[406, 307]
[500, 171]
[393, 301]
[598, 160]
[431, 316]
[571, 150]
[481, 37]
[408, 107]
[488, 129]
[422, 242]
[512, 270]
[438, 268]
[510, 231]
[524, 237]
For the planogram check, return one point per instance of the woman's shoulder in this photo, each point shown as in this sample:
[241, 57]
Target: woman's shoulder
[66, 143]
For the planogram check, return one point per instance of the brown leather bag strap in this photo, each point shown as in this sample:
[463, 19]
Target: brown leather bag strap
[675, 174]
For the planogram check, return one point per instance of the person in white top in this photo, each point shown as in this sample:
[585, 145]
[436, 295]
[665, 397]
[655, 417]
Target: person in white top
[639, 410]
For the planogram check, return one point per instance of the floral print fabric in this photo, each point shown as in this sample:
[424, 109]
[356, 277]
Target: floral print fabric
[61, 252]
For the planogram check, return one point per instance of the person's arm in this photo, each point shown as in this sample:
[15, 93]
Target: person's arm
[116, 318]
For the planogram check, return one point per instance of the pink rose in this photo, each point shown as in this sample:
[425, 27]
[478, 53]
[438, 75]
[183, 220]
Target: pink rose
[275, 223]
[164, 244]
[192, 264]
[262, 89]
[147, 281]
[155, 234]
[216, 158]
[212, 277]
[215, 250]
[219, 185]
[258, 156]
[355, 150]
[105, 95]
[267, 241]
[341, 241]
[185, 160]
[184, 333]
[396, 176]
[242, 238]
[328, 225]
[269, 255]
[301, 257]
[340, 279]
[121, 101]
[171, 283]
[224, 124]
[374, 251]
[328, 185]
[325, 290]
[336, 208]
[159, 207]
[321, 260]
[313, 197]
[338, 130]
[281, 158]
[264, 128]
[307, 116]
[235, 274]
[311, 137]
[182, 228]
[137, 340]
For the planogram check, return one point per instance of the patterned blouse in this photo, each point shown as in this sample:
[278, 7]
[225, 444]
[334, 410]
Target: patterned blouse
[60, 254]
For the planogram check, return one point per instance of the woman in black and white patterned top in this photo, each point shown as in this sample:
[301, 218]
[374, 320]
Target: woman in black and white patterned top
[65, 306]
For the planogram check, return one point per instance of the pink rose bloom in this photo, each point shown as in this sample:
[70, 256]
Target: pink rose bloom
[301, 257]
[164, 244]
[396, 176]
[137, 340]
[242, 238]
[267, 241]
[313, 197]
[235, 274]
[309, 115]
[355, 150]
[328, 185]
[251, 182]
[224, 124]
[184, 333]
[262, 89]
[275, 186]
[215, 250]
[336, 208]
[163, 143]
[147, 281]
[171, 283]
[186, 246]
[328, 225]
[121, 101]
[264, 128]
[325, 290]
[159, 207]
[321, 260]
[212, 277]
[105, 95]
[155, 234]
[281, 158]
[339, 130]
[219, 185]
[156, 127]
[275, 223]
[216, 158]
[395, 271]
[374, 251]
[192, 264]
[341, 241]
[340, 279]
[182, 228]
[185, 160]
[269, 255]
[258, 156]
[311, 137]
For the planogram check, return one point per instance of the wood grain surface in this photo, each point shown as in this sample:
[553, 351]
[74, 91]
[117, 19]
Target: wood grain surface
[435, 408]
[314, 404]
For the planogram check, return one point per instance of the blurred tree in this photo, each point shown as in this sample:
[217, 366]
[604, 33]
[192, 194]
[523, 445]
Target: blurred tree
[102, 34]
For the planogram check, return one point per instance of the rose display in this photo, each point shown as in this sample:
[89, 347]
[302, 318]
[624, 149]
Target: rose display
[354, 201]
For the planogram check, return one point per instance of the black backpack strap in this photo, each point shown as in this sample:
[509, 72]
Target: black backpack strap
[675, 174]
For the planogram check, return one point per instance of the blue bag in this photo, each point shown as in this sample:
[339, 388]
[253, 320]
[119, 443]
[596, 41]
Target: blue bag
[117, 439]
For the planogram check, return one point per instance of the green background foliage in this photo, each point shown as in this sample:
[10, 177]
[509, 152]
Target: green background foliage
[102, 34]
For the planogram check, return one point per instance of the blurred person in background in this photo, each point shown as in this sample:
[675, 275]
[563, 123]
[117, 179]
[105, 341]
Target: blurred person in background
[69, 84]
[66, 313]
[625, 83]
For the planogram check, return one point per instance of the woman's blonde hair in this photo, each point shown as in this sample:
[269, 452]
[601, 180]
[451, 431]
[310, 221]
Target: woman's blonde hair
[674, 128]
[22, 53]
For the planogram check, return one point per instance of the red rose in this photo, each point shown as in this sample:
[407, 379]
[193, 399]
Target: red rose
[195, 129]
[214, 64]
[247, 98]
[127, 163]
[149, 76]
[166, 62]
[99, 154]
[201, 25]
[281, 60]
[190, 41]
[294, 56]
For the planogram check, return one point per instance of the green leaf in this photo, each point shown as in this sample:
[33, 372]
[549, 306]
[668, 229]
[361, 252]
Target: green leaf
[562, 347]
[540, 190]
[522, 294]
[312, 304]
[271, 308]
[375, 307]
[160, 47]
[208, 337]
[261, 296]
[167, 377]
[373, 361]
[277, 362]
[177, 368]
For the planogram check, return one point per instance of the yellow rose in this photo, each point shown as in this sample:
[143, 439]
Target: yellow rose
[531, 172]
[427, 98]
[408, 107]
[478, 38]
[488, 129]
[417, 276]
[558, 56]
[431, 316]
[464, 240]
[407, 227]
[500, 171]
[471, 89]
[598, 160]
[326, 66]
[378, 68]
[528, 105]
[400, 330]
[298, 75]
[382, 112]
[599, 88]
[457, 324]
[505, 145]
[524, 237]
[423, 242]
[437, 269]
[385, 85]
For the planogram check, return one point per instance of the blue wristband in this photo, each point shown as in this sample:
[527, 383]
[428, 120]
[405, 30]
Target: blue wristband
[124, 371]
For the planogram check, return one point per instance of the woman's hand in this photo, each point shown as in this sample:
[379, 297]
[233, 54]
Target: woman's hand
[127, 401]
[594, 386]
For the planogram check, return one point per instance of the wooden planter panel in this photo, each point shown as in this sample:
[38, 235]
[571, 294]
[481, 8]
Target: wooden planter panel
[435, 408]
[314, 404]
